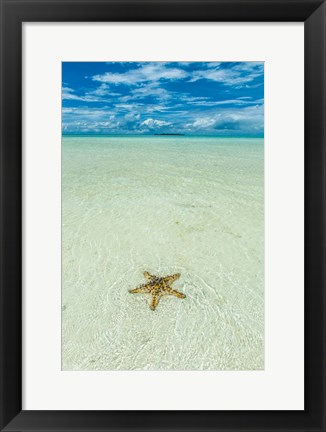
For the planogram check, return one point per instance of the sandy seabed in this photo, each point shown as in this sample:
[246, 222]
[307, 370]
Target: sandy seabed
[165, 205]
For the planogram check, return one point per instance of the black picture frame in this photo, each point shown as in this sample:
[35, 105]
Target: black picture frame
[13, 14]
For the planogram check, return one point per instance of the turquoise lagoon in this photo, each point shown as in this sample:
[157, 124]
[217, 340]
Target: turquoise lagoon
[162, 204]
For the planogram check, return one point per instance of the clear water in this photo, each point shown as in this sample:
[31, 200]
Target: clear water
[163, 205]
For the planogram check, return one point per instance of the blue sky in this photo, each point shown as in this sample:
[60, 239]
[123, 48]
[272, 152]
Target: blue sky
[193, 98]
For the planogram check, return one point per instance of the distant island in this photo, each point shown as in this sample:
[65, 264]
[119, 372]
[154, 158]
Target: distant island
[169, 134]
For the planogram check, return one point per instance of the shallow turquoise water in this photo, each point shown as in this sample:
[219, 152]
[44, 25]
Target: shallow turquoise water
[164, 205]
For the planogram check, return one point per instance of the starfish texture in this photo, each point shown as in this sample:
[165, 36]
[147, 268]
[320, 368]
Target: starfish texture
[158, 287]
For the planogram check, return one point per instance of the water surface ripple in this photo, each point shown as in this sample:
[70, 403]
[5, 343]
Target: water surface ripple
[162, 205]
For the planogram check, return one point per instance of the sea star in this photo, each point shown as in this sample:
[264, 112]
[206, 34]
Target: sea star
[158, 287]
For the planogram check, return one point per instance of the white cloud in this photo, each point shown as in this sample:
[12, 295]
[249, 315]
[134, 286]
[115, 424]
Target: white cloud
[202, 123]
[153, 124]
[103, 90]
[128, 106]
[100, 94]
[248, 120]
[213, 64]
[146, 72]
[68, 94]
[239, 73]
[92, 96]
[151, 89]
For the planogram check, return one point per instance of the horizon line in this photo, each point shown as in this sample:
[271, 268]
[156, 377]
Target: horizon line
[163, 135]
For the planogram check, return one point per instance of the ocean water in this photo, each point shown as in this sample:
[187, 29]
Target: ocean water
[189, 205]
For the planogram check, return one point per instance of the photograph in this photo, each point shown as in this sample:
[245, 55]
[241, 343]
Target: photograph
[162, 216]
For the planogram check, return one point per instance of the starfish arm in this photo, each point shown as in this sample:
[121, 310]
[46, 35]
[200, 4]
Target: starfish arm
[143, 289]
[149, 276]
[154, 302]
[175, 293]
[172, 278]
